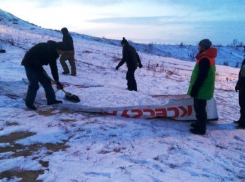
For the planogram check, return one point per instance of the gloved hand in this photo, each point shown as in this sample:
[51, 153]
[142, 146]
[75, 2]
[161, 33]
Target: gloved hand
[140, 65]
[194, 91]
[117, 67]
[236, 88]
[59, 85]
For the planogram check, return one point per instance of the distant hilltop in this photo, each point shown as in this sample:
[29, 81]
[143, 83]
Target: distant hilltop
[17, 32]
[8, 18]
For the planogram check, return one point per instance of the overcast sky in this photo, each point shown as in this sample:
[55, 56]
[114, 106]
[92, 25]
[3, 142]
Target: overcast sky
[157, 21]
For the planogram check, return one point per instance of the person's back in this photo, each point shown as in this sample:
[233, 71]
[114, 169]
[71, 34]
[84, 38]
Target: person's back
[67, 39]
[40, 54]
[130, 56]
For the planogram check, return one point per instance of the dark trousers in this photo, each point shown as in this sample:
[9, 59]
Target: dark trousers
[132, 85]
[242, 105]
[34, 76]
[201, 113]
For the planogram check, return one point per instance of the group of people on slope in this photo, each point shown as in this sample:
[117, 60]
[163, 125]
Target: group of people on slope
[201, 86]
[202, 81]
[47, 53]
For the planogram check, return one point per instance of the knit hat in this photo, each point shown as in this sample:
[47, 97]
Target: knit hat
[124, 41]
[61, 46]
[205, 44]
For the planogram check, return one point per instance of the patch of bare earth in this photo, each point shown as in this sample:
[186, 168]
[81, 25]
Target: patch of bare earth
[25, 151]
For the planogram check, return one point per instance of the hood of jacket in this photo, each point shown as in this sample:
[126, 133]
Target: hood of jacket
[64, 31]
[211, 52]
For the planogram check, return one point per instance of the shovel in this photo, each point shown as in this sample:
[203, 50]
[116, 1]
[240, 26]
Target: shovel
[68, 96]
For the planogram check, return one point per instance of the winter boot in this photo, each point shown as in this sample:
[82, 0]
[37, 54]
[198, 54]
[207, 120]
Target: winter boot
[198, 131]
[237, 121]
[55, 102]
[31, 106]
[65, 72]
[241, 125]
[199, 128]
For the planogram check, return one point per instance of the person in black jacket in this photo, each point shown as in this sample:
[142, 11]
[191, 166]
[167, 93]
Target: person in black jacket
[68, 54]
[131, 57]
[240, 86]
[39, 55]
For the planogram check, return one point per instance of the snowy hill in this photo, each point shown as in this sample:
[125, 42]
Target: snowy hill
[231, 56]
[55, 144]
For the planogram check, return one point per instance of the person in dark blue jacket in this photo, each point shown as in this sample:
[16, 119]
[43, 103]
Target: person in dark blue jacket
[131, 57]
[33, 61]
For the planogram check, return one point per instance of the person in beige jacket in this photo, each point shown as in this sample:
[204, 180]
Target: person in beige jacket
[68, 54]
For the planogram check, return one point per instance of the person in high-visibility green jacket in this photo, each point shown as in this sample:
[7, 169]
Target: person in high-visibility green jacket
[202, 84]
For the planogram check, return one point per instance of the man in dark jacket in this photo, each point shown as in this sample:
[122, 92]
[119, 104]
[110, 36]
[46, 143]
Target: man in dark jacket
[131, 57]
[39, 55]
[240, 86]
[68, 54]
[202, 84]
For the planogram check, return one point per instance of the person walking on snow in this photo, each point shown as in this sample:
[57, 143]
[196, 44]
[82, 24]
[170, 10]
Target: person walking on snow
[201, 86]
[240, 86]
[68, 54]
[39, 55]
[131, 57]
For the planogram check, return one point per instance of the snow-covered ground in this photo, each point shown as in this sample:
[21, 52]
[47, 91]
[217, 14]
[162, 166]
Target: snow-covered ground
[53, 144]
